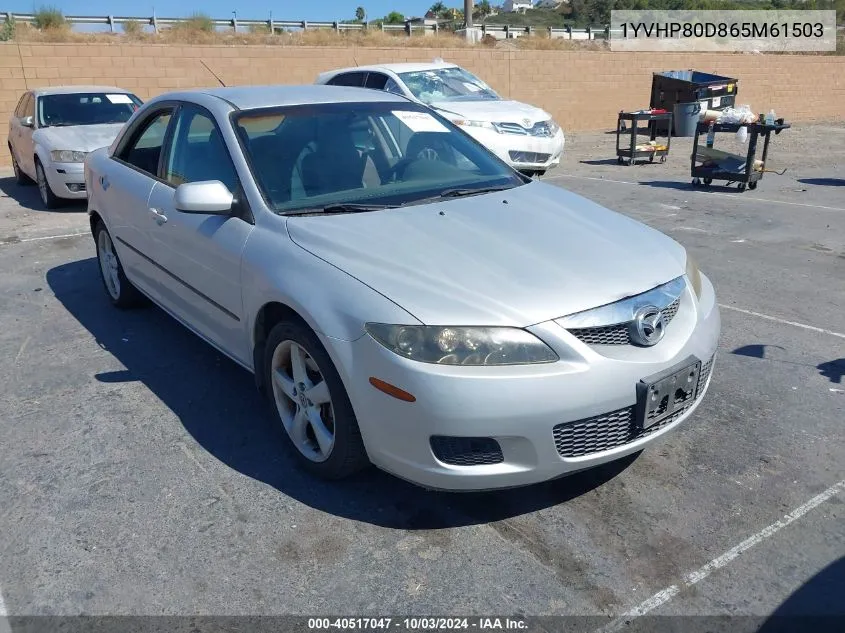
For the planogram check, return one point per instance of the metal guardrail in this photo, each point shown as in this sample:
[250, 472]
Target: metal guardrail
[235, 23]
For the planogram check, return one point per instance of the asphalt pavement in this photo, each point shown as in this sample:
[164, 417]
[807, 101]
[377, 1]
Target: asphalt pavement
[140, 473]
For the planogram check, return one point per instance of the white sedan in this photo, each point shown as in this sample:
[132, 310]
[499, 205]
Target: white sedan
[436, 314]
[53, 129]
[524, 136]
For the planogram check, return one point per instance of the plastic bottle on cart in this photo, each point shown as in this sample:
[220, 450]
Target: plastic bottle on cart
[770, 118]
[711, 135]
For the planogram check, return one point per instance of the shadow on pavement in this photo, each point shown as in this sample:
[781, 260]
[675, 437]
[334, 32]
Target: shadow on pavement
[833, 370]
[817, 606]
[823, 182]
[27, 197]
[217, 403]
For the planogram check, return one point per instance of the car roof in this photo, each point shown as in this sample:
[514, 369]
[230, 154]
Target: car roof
[404, 67]
[64, 90]
[251, 97]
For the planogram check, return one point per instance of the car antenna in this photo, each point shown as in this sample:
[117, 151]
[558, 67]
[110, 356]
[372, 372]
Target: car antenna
[213, 73]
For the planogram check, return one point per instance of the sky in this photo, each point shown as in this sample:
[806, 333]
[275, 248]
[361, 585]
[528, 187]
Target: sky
[247, 9]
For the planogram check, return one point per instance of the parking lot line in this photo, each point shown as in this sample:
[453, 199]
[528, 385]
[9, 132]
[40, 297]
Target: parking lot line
[784, 321]
[665, 595]
[44, 237]
[4, 623]
[742, 197]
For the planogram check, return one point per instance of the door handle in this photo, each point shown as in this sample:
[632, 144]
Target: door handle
[160, 218]
[104, 182]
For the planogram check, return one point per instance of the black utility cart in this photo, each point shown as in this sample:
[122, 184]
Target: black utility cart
[733, 168]
[629, 151]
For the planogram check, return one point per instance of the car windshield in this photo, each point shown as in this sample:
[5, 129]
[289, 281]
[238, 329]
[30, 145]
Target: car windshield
[315, 158]
[85, 108]
[447, 84]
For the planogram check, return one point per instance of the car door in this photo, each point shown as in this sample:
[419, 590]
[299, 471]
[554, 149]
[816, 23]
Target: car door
[123, 194]
[15, 125]
[22, 135]
[202, 252]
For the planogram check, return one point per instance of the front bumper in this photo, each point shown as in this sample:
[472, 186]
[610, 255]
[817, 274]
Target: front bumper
[519, 406]
[67, 180]
[522, 152]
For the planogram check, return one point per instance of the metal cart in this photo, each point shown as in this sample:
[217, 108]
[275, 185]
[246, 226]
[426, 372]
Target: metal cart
[630, 152]
[731, 167]
[672, 87]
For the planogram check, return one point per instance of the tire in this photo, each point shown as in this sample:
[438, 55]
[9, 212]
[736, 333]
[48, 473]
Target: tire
[708, 181]
[20, 177]
[752, 185]
[119, 289]
[741, 187]
[48, 198]
[322, 433]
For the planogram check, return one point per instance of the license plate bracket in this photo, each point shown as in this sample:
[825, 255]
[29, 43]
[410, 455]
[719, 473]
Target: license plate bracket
[660, 395]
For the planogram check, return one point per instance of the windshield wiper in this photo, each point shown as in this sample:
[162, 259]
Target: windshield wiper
[458, 192]
[344, 207]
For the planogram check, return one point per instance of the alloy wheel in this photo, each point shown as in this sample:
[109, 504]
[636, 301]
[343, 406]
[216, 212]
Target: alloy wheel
[302, 398]
[108, 264]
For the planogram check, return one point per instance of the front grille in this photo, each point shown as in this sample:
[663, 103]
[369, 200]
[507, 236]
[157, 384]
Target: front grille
[618, 334]
[466, 451]
[529, 157]
[543, 129]
[610, 430]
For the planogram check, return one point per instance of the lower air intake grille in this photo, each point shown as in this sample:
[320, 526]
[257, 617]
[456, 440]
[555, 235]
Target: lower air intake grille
[528, 157]
[466, 451]
[610, 430]
[618, 334]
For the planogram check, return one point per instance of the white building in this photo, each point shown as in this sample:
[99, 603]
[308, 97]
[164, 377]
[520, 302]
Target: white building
[517, 6]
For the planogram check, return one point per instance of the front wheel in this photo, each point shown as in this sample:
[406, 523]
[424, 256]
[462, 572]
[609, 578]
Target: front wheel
[120, 290]
[310, 402]
[50, 200]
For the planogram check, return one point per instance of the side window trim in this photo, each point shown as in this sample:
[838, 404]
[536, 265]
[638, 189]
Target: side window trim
[167, 146]
[139, 127]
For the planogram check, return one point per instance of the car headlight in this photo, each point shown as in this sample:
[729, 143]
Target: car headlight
[468, 123]
[67, 156]
[554, 128]
[462, 345]
[694, 276]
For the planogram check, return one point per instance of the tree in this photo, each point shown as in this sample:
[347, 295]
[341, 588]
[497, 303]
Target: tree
[360, 14]
[394, 17]
[438, 9]
[483, 8]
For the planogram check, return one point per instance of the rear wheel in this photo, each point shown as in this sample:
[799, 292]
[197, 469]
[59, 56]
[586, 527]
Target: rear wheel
[120, 290]
[311, 403]
[50, 200]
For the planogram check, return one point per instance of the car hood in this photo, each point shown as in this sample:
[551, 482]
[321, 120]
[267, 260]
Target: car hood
[493, 110]
[79, 138]
[477, 260]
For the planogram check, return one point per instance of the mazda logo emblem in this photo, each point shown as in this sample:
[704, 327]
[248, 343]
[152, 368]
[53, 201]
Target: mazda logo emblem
[648, 326]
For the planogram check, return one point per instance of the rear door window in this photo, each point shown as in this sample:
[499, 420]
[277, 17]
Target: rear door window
[354, 79]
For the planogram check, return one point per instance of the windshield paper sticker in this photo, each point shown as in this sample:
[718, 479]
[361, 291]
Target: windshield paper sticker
[420, 121]
[119, 98]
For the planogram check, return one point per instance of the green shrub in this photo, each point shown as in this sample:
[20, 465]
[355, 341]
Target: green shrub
[47, 18]
[133, 28]
[7, 32]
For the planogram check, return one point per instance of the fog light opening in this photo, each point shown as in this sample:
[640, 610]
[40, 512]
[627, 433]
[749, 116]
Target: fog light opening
[392, 390]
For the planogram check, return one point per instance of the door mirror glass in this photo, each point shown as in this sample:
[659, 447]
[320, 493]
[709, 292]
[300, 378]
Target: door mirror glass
[26, 121]
[206, 196]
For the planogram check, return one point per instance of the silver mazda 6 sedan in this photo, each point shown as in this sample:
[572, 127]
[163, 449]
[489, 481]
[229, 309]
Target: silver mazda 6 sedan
[403, 297]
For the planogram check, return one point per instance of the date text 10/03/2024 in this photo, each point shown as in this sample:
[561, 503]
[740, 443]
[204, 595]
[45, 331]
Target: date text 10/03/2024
[417, 624]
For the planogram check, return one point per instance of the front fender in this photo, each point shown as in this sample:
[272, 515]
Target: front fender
[333, 303]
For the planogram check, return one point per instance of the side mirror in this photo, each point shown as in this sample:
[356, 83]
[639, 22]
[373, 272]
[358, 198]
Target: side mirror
[207, 197]
[27, 121]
